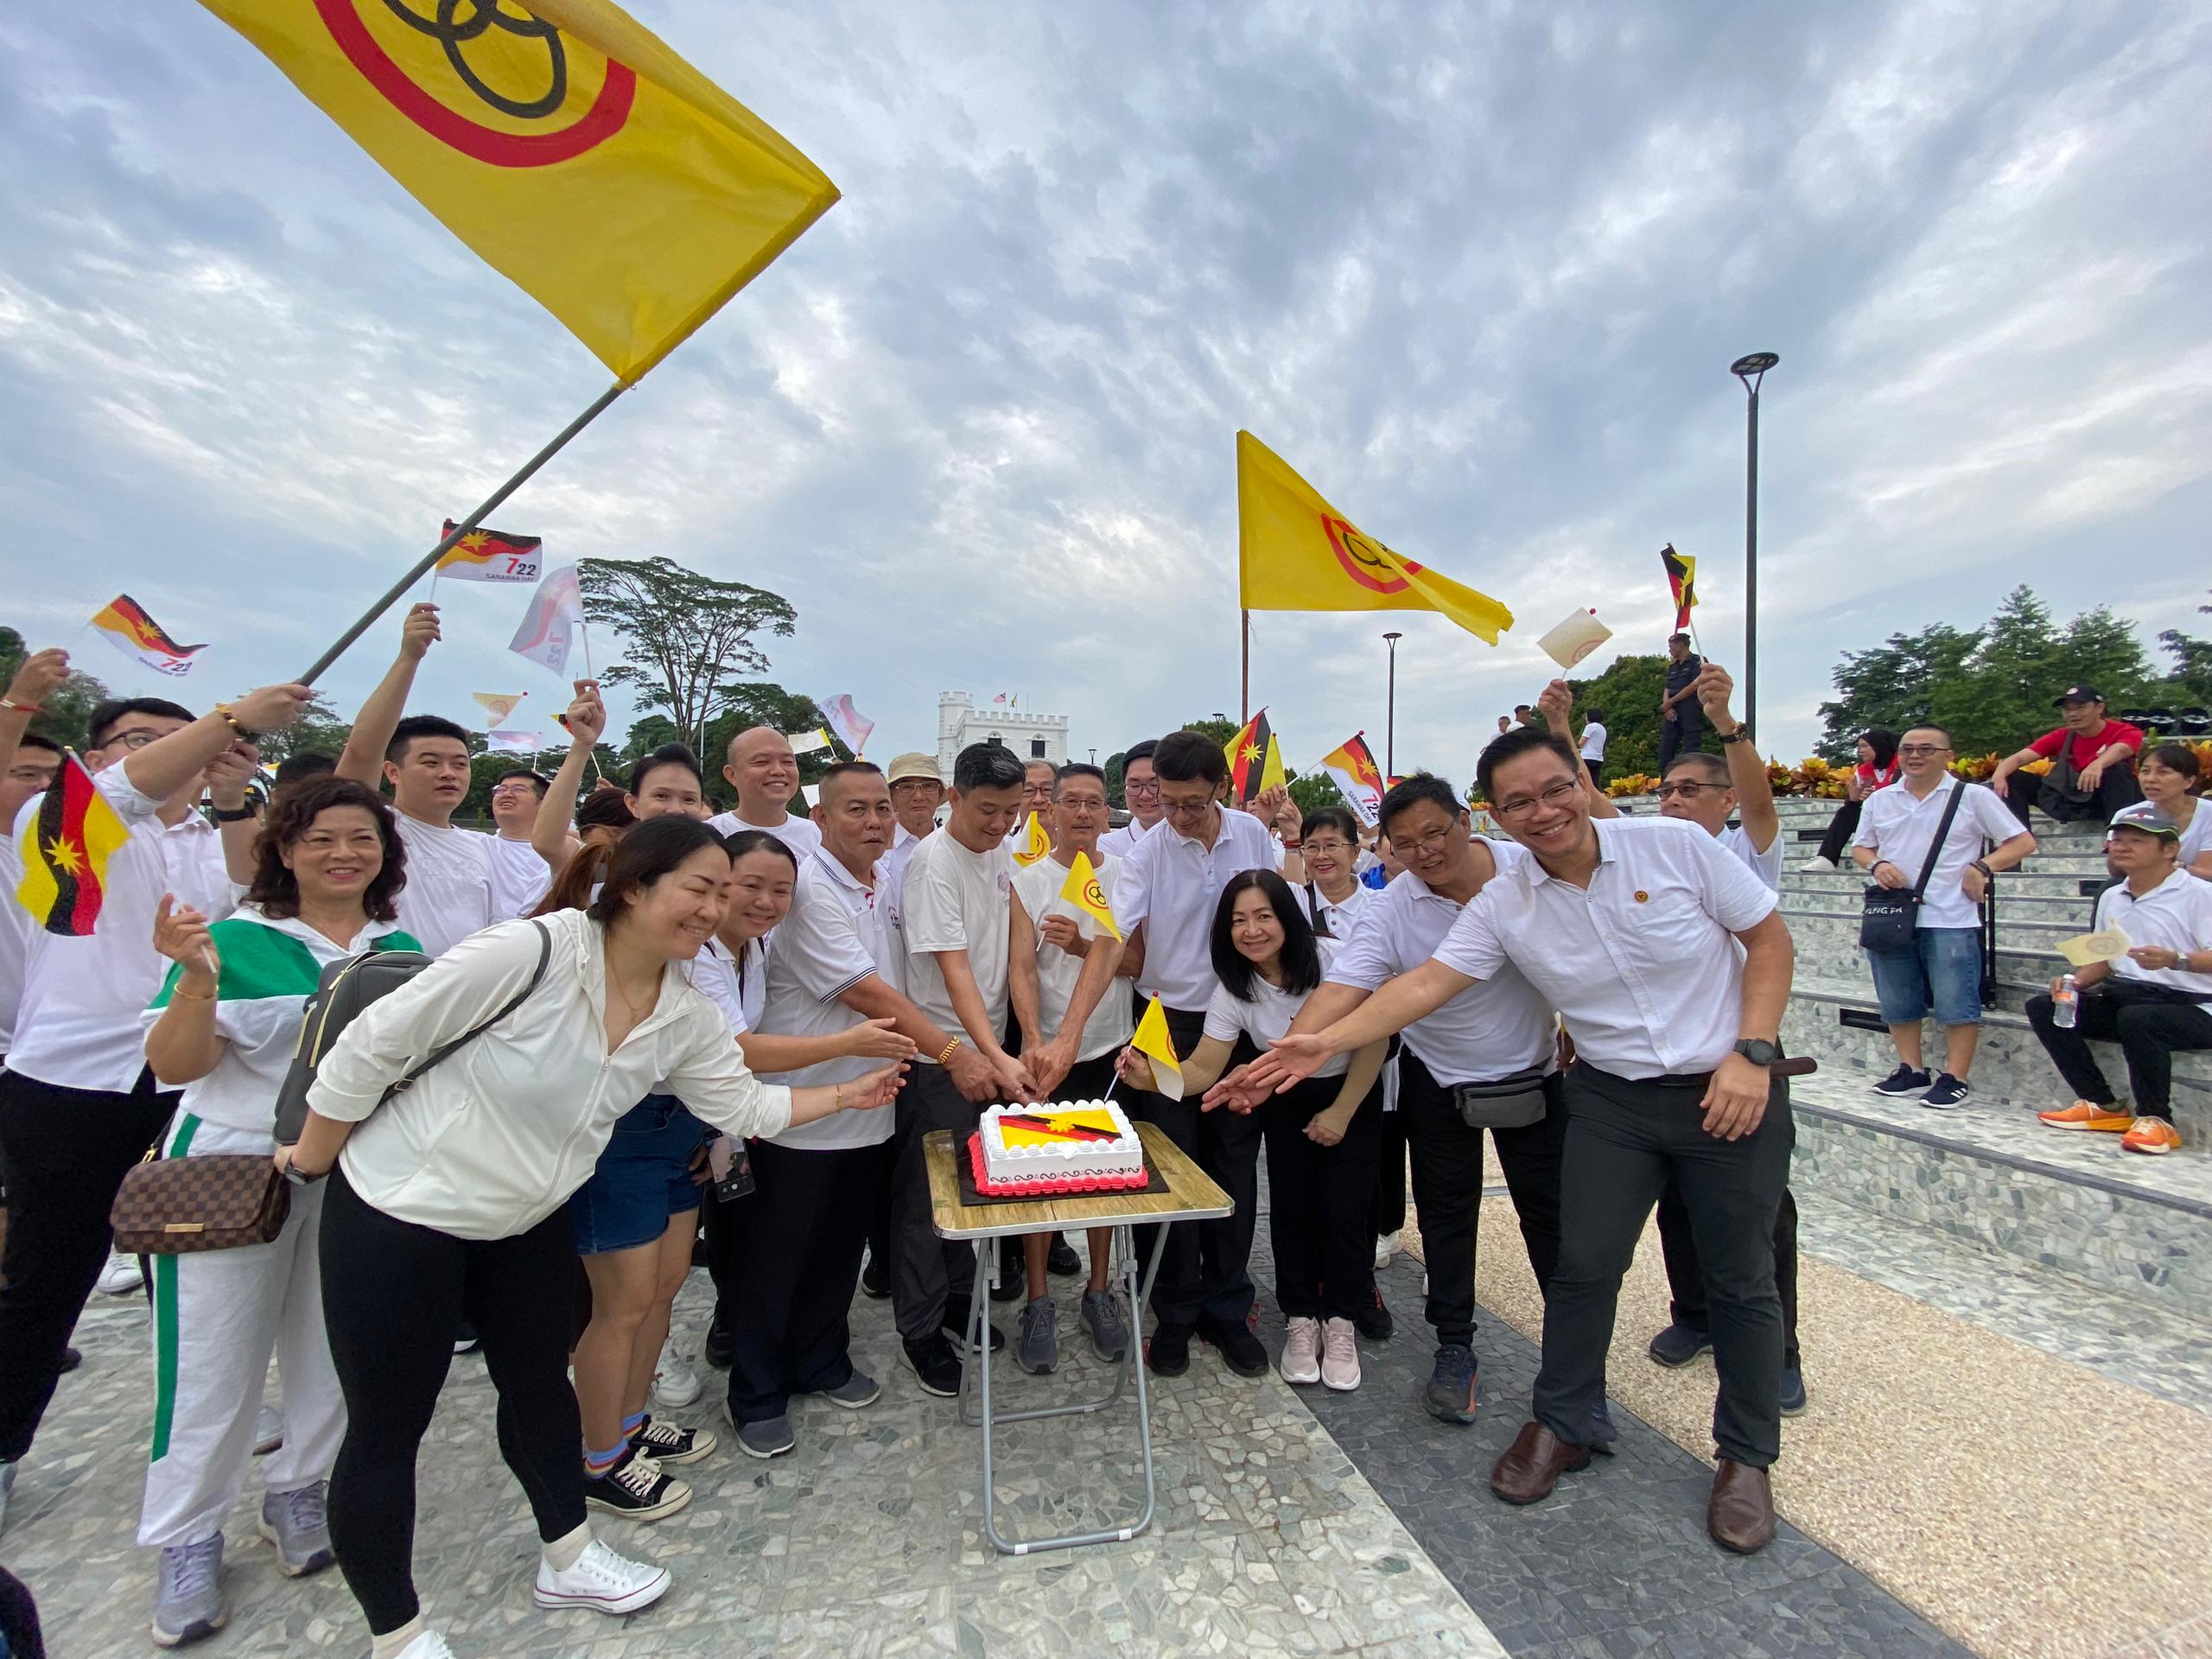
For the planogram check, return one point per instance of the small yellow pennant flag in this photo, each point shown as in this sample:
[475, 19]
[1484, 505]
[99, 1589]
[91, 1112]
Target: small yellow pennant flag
[1153, 1042]
[1082, 890]
[1035, 843]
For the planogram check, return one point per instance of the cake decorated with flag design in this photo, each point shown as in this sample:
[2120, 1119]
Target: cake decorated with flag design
[1085, 1145]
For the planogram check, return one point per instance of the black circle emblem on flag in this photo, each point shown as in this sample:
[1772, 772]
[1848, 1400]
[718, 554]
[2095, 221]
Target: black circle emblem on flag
[1358, 553]
[458, 39]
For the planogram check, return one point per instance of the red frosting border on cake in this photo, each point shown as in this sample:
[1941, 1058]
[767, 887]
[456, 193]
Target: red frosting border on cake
[1064, 1187]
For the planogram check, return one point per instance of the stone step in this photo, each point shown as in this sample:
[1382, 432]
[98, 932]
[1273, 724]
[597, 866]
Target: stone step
[2075, 1203]
[1828, 941]
[1808, 893]
[2031, 885]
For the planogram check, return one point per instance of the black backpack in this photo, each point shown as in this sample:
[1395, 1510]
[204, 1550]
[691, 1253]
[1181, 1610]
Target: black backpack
[346, 987]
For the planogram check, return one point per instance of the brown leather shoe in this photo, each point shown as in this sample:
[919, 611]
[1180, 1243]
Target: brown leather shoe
[1741, 1515]
[1533, 1464]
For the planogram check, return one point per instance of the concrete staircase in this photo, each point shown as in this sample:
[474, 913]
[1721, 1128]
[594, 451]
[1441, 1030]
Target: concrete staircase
[1989, 1173]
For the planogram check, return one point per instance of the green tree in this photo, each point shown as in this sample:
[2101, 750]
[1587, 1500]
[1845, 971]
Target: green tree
[1314, 790]
[1892, 685]
[1114, 762]
[753, 702]
[2192, 681]
[686, 637]
[319, 730]
[1628, 692]
[1220, 730]
[67, 717]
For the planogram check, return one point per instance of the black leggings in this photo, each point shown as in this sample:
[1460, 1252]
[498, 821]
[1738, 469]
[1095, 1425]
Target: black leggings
[1320, 1202]
[392, 1293]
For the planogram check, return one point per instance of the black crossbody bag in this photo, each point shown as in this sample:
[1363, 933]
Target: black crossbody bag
[1889, 917]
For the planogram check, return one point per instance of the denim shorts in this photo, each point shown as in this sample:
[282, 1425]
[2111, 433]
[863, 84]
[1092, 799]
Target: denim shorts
[1944, 967]
[644, 1177]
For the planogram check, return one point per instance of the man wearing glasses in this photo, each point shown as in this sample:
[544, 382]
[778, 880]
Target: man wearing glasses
[1499, 1028]
[1164, 897]
[1140, 789]
[1626, 928]
[519, 875]
[1943, 967]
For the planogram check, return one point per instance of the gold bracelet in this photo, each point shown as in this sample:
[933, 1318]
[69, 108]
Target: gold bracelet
[191, 997]
[946, 1057]
[231, 721]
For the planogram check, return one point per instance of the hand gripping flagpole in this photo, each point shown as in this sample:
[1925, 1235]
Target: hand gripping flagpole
[491, 505]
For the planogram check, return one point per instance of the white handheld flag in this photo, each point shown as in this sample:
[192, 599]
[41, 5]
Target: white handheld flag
[548, 628]
[847, 723]
[513, 742]
[807, 742]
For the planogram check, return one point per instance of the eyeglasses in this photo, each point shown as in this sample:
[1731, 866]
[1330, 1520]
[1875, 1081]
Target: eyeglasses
[1140, 786]
[1427, 843]
[1558, 795]
[1188, 807]
[1914, 750]
[134, 740]
[1336, 849]
[1688, 791]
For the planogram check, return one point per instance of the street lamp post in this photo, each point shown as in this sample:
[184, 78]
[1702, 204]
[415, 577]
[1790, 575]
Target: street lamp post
[1390, 714]
[1751, 371]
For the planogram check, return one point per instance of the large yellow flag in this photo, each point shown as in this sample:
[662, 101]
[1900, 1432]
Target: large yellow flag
[620, 188]
[1301, 554]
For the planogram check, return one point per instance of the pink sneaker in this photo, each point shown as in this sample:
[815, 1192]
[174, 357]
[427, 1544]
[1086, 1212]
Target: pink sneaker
[1339, 1356]
[1301, 1352]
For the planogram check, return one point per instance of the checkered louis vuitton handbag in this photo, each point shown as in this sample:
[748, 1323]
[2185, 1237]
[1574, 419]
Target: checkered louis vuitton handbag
[173, 1206]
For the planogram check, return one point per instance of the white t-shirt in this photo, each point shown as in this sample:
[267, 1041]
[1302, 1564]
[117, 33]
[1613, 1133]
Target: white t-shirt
[2176, 914]
[1767, 866]
[1120, 843]
[956, 900]
[1900, 826]
[449, 888]
[801, 835]
[1110, 1022]
[836, 934]
[2197, 839]
[1594, 742]
[1270, 1012]
[519, 878]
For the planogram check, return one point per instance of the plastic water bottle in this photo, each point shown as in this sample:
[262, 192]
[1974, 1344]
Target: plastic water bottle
[2065, 1003]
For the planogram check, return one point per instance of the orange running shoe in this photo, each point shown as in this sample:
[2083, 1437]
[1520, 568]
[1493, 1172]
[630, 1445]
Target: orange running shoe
[2151, 1134]
[2087, 1114]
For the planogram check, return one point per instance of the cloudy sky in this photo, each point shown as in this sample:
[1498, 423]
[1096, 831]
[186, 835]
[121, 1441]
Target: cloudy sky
[1477, 272]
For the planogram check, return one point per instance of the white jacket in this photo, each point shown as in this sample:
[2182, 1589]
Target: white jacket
[493, 1140]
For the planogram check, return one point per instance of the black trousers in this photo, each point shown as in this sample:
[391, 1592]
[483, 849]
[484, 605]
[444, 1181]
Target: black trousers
[800, 1235]
[1681, 732]
[1686, 1273]
[1447, 1159]
[1205, 1269]
[1840, 829]
[2116, 789]
[1625, 1140]
[1320, 1202]
[1390, 1207]
[2148, 1021]
[67, 1152]
[391, 1295]
[925, 1269]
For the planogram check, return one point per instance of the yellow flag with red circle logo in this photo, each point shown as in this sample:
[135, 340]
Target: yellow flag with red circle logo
[1034, 844]
[563, 142]
[1298, 553]
[1083, 890]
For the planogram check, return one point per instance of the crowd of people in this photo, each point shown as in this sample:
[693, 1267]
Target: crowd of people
[647, 1030]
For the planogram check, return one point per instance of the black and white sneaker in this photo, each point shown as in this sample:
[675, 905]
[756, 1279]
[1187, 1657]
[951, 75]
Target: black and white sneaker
[933, 1362]
[666, 1443]
[637, 1488]
[1948, 1094]
[1904, 1082]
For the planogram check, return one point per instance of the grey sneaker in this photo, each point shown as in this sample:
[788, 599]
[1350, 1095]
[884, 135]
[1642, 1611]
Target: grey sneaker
[857, 1390]
[295, 1522]
[769, 1438]
[1101, 1317]
[189, 1596]
[1037, 1351]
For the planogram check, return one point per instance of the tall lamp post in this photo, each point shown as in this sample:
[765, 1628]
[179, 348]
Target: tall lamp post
[1390, 714]
[1751, 371]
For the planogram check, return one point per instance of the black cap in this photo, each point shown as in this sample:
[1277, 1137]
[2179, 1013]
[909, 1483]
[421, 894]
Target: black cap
[2078, 694]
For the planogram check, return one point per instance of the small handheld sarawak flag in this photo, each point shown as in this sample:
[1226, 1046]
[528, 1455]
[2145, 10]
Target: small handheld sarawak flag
[1255, 758]
[549, 626]
[1298, 553]
[1153, 1042]
[1353, 767]
[499, 704]
[848, 721]
[615, 184]
[66, 848]
[124, 623]
[1035, 843]
[486, 555]
[1682, 581]
[1084, 891]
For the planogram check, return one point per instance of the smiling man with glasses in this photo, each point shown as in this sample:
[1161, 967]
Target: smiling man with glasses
[1140, 789]
[519, 875]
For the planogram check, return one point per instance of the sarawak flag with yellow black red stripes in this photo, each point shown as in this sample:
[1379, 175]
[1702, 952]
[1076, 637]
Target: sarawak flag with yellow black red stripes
[1298, 553]
[616, 185]
[1681, 584]
[126, 626]
[66, 848]
[1357, 777]
[1255, 758]
[491, 555]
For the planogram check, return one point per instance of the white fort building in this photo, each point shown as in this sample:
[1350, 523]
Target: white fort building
[960, 722]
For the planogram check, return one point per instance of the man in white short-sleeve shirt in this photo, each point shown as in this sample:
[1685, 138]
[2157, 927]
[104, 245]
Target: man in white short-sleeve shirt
[1141, 793]
[1942, 967]
[917, 792]
[519, 874]
[762, 769]
[1165, 894]
[1629, 928]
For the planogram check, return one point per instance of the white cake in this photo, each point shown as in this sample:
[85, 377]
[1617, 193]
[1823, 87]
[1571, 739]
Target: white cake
[1075, 1146]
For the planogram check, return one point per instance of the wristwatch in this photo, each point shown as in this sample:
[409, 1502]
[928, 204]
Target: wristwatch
[1758, 1051]
[234, 815]
[299, 1177]
[1739, 735]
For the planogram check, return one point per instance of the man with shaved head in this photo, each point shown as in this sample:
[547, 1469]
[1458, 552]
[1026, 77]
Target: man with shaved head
[764, 771]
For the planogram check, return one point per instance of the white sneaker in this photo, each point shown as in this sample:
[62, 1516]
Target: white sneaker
[1817, 865]
[602, 1582]
[1339, 1356]
[121, 1276]
[1301, 1352]
[675, 1385]
[428, 1645]
[1385, 1248]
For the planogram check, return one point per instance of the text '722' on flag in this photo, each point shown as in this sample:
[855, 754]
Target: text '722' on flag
[486, 555]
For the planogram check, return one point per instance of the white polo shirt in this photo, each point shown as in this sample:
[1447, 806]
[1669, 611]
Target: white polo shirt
[519, 878]
[14, 939]
[449, 893]
[1492, 1030]
[2176, 915]
[77, 1025]
[1901, 828]
[890, 887]
[1171, 884]
[1640, 963]
[1267, 1013]
[1329, 920]
[1767, 866]
[1110, 1022]
[957, 900]
[737, 992]
[1120, 843]
[837, 934]
[802, 836]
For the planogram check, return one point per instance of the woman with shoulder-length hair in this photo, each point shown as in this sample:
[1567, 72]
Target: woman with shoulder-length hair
[450, 1196]
[328, 864]
[1875, 768]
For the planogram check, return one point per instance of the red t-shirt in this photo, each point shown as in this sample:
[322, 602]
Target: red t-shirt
[2087, 749]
